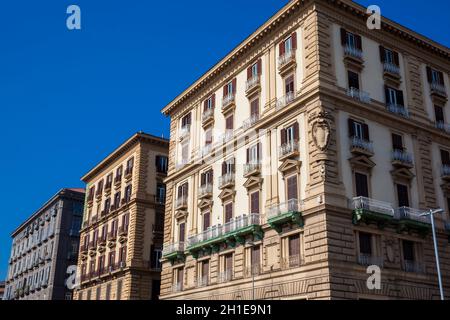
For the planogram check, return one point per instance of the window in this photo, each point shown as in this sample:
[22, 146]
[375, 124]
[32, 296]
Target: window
[208, 137]
[125, 221]
[228, 167]
[389, 56]
[130, 164]
[365, 243]
[397, 142]
[123, 255]
[183, 191]
[101, 263]
[117, 200]
[100, 187]
[181, 232]
[434, 76]
[361, 184]
[206, 178]
[155, 255]
[394, 97]
[109, 179]
[209, 103]
[289, 85]
[353, 80]
[253, 154]
[112, 259]
[228, 267]
[119, 173]
[254, 202]
[439, 114]
[88, 295]
[256, 257]
[228, 212]
[290, 134]
[288, 45]
[98, 293]
[119, 290]
[186, 121]
[161, 163]
[292, 191]
[351, 40]
[205, 272]
[128, 191]
[230, 88]
[294, 250]
[108, 291]
[156, 287]
[179, 278]
[160, 192]
[402, 195]
[206, 220]
[358, 130]
[254, 70]
[408, 251]
[91, 193]
[229, 122]
[254, 108]
[107, 205]
[185, 151]
[445, 158]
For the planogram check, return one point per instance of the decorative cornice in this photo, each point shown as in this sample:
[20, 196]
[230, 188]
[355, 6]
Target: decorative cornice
[281, 16]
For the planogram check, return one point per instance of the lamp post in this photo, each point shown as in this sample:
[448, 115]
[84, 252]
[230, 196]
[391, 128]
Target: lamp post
[431, 213]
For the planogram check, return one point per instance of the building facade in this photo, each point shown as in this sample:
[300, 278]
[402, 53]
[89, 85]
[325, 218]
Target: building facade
[307, 154]
[122, 233]
[2, 289]
[43, 247]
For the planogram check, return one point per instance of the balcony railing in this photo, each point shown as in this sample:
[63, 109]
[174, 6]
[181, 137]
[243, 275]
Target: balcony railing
[391, 68]
[252, 167]
[413, 266]
[225, 137]
[285, 100]
[205, 189]
[288, 148]
[445, 171]
[406, 213]
[228, 100]
[225, 276]
[438, 88]
[362, 144]
[369, 260]
[376, 206]
[252, 83]
[353, 52]
[292, 205]
[250, 121]
[226, 179]
[286, 58]
[402, 157]
[181, 202]
[359, 95]
[185, 131]
[293, 261]
[443, 126]
[398, 109]
[207, 115]
[206, 150]
[173, 248]
[182, 163]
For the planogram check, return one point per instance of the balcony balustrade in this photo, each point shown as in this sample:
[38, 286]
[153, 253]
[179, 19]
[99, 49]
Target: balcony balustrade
[173, 251]
[402, 158]
[227, 180]
[367, 210]
[413, 266]
[253, 168]
[252, 85]
[225, 276]
[289, 149]
[438, 89]
[443, 126]
[177, 287]
[293, 261]
[361, 146]
[359, 95]
[353, 52]
[250, 122]
[285, 100]
[286, 212]
[398, 109]
[225, 137]
[207, 115]
[391, 69]
[445, 172]
[205, 190]
[370, 260]
[181, 202]
[286, 61]
[203, 281]
[228, 101]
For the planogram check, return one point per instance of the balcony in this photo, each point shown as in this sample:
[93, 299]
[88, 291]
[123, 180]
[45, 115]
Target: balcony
[92, 245]
[445, 172]
[123, 231]
[205, 191]
[225, 137]
[252, 169]
[391, 73]
[410, 218]
[438, 92]
[174, 251]
[108, 187]
[102, 240]
[285, 100]
[128, 173]
[402, 159]
[286, 62]
[398, 110]
[182, 163]
[250, 122]
[293, 261]
[289, 150]
[413, 266]
[359, 95]
[252, 86]
[207, 117]
[117, 180]
[369, 210]
[289, 212]
[361, 146]
[112, 236]
[443, 127]
[369, 260]
[228, 102]
[185, 132]
[230, 233]
[181, 203]
[353, 57]
[226, 181]
[206, 150]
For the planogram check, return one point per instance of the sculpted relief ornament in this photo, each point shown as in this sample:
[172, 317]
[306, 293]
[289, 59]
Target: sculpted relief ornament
[321, 130]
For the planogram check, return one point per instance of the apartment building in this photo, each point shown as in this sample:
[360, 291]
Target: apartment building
[2, 289]
[122, 233]
[307, 154]
[43, 247]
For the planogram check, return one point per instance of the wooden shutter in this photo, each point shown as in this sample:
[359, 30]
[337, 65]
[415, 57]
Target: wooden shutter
[429, 74]
[225, 90]
[358, 42]
[254, 202]
[202, 179]
[445, 157]
[362, 188]
[224, 168]
[228, 212]
[400, 100]
[282, 48]
[181, 232]
[248, 155]
[229, 123]
[294, 41]
[439, 114]
[256, 255]
[296, 131]
[229, 262]
[343, 36]
[180, 276]
[258, 151]
[292, 188]
[205, 105]
[249, 73]
[294, 245]
[382, 54]
[402, 193]
[365, 243]
[213, 100]
[205, 269]
[366, 132]
[283, 137]
[206, 221]
[259, 67]
[351, 128]
[441, 78]
[396, 58]
[397, 142]
[234, 83]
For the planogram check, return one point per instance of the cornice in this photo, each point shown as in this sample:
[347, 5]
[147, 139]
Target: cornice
[280, 17]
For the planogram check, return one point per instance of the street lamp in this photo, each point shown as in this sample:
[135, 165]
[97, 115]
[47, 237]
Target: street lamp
[431, 213]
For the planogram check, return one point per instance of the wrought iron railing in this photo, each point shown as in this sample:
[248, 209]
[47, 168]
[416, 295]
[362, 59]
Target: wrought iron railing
[286, 58]
[391, 68]
[285, 100]
[226, 179]
[373, 205]
[359, 95]
[293, 205]
[353, 52]
[227, 100]
[402, 156]
[398, 109]
[288, 148]
[252, 82]
[360, 143]
[173, 247]
[406, 213]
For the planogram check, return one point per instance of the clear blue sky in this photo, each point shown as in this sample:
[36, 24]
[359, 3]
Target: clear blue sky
[68, 98]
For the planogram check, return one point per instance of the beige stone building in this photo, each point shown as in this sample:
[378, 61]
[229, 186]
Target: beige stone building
[307, 154]
[122, 232]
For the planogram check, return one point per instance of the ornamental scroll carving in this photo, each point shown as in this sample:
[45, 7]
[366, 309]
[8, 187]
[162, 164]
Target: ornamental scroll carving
[321, 129]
